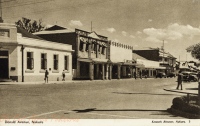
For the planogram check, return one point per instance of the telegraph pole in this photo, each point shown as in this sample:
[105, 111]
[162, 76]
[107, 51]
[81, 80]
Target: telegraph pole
[163, 51]
[91, 26]
[1, 17]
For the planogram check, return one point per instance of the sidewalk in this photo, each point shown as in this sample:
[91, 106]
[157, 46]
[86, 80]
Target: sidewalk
[188, 87]
[50, 82]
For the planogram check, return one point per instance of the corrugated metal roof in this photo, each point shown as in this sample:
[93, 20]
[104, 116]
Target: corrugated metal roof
[136, 56]
[27, 34]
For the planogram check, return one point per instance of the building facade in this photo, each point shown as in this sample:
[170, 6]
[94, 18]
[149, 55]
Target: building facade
[155, 54]
[121, 63]
[25, 57]
[90, 59]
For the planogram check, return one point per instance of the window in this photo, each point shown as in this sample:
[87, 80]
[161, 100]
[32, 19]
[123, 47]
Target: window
[55, 62]
[30, 60]
[81, 46]
[87, 47]
[66, 62]
[94, 48]
[99, 49]
[43, 61]
[103, 50]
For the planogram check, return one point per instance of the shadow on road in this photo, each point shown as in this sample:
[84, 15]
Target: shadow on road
[191, 88]
[94, 109]
[142, 93]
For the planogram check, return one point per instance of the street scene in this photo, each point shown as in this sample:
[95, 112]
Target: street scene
[116, 99]
[100, 59]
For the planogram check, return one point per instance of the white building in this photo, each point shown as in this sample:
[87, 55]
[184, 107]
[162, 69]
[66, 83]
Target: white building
[120, 56]
[25, 57]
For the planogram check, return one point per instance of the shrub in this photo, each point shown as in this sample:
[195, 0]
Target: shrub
[180, 103]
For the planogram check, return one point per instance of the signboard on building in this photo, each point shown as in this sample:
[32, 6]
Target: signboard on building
[4, 33]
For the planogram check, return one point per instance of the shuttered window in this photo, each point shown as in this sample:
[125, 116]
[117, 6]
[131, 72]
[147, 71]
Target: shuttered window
[66, 62]
[30, 60]
[55, 62]
[43, 61]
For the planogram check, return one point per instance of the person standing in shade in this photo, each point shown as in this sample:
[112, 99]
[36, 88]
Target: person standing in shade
[46, 76]
[63, 75]
[179, 81]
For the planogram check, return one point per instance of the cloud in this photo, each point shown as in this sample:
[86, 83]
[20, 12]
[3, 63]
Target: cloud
[124, 33]
[132, 36]
[115, 40]
[75, 23]
[138, 32]
[171, 32]
[111, 30]
[150, 20]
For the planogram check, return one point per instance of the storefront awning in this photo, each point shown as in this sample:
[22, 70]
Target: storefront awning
[100, 60]
[129, 64]
[139, 65]
[84, 60]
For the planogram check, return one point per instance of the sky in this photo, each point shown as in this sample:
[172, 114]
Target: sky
[139, 23]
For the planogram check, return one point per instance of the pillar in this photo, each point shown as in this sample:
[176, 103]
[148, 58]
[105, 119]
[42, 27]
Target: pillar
[103, 72]
[131, 71]
[118, 71]
[97, 71]
[91, 71]
[97, 52]
[89, 49]
[78, 70]
[107, 66]
[110, 72]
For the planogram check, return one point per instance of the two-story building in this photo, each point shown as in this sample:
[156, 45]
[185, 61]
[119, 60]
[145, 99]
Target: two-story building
[90, 59]
[165, 59]
[25, 57]
[120, 57]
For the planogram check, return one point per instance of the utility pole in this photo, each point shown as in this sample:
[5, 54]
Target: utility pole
[1, 17]
[91, 26]
[163, 51]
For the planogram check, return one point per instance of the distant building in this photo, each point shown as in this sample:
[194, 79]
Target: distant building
[25, 57]
[90, 59]
[155, 54]
[148, 68]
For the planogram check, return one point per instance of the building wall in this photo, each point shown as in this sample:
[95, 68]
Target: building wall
[120, 54]
[66, 38]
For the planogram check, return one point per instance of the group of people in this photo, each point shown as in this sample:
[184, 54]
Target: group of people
[46, 76]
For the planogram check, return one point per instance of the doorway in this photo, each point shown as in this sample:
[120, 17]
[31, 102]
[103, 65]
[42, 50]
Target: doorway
[4, 64]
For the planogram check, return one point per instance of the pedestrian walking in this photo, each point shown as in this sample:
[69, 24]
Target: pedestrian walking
[46, 76]
[63, 75]
[179, 80]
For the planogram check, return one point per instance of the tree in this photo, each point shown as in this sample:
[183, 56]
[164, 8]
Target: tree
[30, 26]
[195, 52]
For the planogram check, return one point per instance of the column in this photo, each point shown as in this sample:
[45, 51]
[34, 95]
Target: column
[103, 72]
[118, 71]
[107, 66]
[110, 72]
[97, 71]
[91, 71]
[78, 69]
[89, 48]
[131, 71]
[97, 51]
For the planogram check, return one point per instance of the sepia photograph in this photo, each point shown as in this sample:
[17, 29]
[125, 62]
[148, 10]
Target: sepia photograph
[100, 62]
